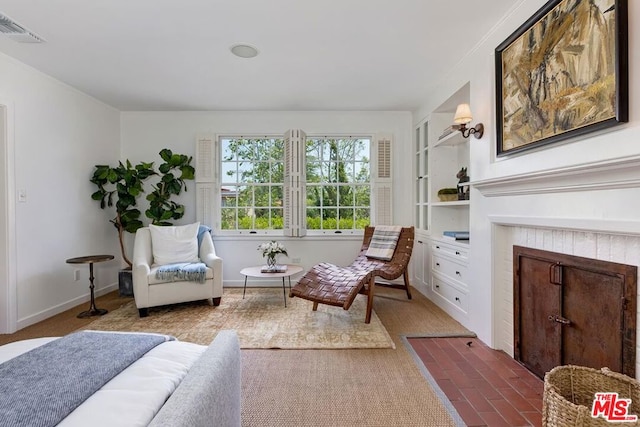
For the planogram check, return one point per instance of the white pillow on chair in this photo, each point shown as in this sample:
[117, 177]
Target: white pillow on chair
[174, 243]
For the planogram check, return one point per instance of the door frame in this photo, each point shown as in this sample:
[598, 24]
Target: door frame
[8, 262]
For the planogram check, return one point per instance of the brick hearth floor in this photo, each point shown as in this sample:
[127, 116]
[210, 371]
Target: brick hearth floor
[485, 386]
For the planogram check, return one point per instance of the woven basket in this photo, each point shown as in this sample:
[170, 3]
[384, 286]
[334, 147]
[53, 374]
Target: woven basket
[448, 197]
[569, 392]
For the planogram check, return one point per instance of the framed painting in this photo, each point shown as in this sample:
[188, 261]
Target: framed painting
[562, 74]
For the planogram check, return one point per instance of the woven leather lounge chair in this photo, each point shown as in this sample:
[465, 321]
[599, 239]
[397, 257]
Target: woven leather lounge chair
[333, 285]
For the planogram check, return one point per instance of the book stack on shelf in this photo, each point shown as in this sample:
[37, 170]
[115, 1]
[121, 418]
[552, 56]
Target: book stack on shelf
[456, 235]
[278, 268]
[448, 131]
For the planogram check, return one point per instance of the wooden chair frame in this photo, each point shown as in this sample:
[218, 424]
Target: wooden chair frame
[338, 286]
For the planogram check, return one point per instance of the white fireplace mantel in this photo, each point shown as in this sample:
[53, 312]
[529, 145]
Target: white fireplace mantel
[609, 174]
[586, 209]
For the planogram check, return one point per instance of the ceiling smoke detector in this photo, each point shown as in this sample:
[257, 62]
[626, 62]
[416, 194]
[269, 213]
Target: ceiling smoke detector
[244, 50]
[17, 32]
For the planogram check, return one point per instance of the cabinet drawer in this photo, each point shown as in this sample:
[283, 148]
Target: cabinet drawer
[450, 268]
[454, 296]
[450, 250]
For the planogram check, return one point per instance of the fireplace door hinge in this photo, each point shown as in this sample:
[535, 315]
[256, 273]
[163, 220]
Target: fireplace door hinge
[555, 274]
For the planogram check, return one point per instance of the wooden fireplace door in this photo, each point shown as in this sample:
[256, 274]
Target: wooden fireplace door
[573, 310]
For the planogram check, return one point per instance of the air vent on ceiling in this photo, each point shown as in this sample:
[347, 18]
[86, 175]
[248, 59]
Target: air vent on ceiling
[17, 32]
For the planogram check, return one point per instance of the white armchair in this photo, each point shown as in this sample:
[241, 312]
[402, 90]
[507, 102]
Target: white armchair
[150, 291]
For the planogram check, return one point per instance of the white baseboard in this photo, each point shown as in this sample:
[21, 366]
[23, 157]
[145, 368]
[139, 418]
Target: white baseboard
[45, 314]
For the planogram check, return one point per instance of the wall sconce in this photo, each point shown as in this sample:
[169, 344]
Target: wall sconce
[462, 117]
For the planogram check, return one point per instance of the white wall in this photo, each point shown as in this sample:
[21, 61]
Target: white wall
[59, 135]
[621, 141]
[144, 134]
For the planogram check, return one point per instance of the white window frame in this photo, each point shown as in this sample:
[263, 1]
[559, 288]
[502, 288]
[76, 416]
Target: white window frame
[352, 231]
[208, 184]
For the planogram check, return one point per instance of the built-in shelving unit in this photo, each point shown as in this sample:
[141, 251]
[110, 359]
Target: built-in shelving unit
[450, 140]
[421, 167]
[440, 271]
[451, 204]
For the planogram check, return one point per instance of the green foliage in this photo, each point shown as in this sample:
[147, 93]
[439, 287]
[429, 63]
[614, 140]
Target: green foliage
[316, 223]
[262, 221]
[253, 172]
[337, 176]
[337, 182]
[125, 184]
[313, 223]
[174, 171]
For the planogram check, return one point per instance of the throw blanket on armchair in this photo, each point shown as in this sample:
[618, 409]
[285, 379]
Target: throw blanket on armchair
[190, 271]
[43, 386]
[201, 230]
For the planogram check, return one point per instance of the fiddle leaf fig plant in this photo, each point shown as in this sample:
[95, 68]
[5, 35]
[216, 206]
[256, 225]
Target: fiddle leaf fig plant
[175, 170]
[122, 186]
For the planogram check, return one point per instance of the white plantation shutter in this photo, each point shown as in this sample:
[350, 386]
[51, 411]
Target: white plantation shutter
[206, 194]
[381, 181]
[207, 188]
[205, 158]
[295, 218]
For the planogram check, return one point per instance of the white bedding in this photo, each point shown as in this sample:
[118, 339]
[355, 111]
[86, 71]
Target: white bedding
[133, 397]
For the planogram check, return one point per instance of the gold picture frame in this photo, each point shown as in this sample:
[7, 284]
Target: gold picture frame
[563, 73]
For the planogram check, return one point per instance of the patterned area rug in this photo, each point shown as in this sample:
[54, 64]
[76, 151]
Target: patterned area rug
[261, 320]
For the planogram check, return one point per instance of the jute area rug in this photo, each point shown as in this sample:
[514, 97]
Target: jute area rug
[347, 388]
[261, 321]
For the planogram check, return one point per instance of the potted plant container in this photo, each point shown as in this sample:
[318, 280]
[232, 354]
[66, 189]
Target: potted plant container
[448, 194]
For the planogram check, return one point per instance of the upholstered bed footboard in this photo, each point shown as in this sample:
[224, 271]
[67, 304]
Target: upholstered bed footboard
[210, 393]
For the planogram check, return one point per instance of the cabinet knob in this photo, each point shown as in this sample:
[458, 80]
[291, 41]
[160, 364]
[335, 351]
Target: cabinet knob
[437, 286]
[437, 247]
[437, 264]
[458, 273]
[458, 299]
[457, 252]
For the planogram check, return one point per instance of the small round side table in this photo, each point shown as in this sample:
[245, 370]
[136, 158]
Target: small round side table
[91, 259]
[257, 272]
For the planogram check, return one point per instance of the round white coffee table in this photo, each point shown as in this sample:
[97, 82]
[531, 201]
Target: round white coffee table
[256, 271]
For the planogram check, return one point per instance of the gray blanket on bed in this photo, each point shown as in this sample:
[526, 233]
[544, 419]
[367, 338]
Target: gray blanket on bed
[42, 386]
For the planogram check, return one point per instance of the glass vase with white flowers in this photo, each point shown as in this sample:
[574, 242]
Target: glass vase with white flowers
[270, 250]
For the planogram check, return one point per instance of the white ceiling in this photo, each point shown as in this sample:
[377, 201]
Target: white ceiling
[314, 55]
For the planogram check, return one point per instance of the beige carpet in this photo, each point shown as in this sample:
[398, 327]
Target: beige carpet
[261, 320]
